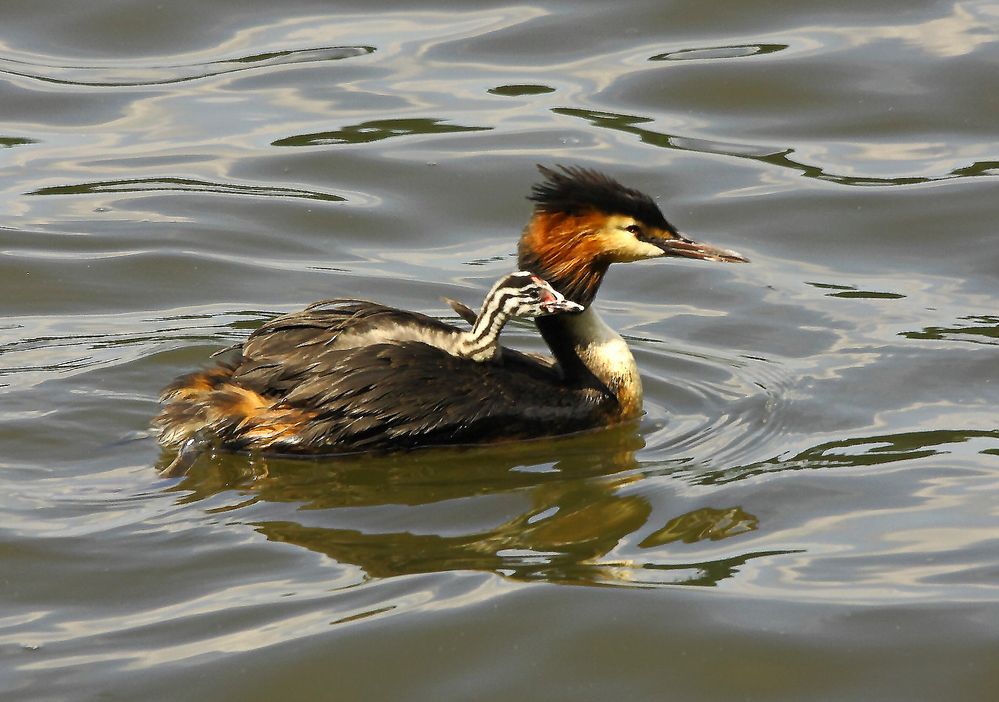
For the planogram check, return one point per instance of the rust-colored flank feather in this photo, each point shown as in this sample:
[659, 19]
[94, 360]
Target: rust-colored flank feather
[213, 400]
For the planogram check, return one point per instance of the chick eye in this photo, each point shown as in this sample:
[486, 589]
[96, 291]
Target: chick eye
[634, 229]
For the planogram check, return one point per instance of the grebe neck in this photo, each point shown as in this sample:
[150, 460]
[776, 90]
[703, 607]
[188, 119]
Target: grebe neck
[588, 350]
[482, 342]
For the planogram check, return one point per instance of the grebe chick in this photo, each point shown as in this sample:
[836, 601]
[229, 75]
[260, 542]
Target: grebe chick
[346, 377]
[517, 295]
[521, 294]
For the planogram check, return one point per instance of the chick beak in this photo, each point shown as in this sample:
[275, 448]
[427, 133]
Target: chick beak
[554, 302]
[685, 248]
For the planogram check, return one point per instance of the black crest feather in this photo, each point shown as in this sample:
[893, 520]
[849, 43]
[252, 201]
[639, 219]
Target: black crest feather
[575, 190]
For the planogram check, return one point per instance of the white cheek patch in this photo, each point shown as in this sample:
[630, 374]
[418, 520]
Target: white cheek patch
[643, 249]
[624, 247]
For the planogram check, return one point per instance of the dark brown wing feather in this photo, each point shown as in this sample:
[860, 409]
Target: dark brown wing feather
[294, 389]
[404, 395]
[290, 348]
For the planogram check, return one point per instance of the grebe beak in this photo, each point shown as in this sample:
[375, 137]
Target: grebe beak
[560, 306]
[554, 302]
[685, 248]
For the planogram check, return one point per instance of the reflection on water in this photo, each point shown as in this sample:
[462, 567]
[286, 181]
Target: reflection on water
[774, 156]
[416, 477]
[854, 452]
[850, 291]
[10, 142]
[704, 523]
[974, 329]
[820, 458]
[376, 130]
[715, 52]
[567, 512]
[565, 509]
[517, 90]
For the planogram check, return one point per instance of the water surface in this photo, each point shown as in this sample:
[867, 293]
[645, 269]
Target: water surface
[806, 511]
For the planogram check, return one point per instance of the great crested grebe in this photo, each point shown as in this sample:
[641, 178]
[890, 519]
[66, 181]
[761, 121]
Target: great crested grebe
[361, 377]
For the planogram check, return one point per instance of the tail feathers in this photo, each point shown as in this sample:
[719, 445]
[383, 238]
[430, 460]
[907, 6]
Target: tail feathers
[193, 385]
[209, 401]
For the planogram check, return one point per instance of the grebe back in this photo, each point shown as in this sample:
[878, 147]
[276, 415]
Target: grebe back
[202, 403]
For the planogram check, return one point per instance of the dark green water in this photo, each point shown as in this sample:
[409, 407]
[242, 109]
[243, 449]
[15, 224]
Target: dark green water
[808, 510]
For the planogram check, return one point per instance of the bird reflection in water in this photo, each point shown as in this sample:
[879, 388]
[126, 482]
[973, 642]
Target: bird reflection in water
[552, 510]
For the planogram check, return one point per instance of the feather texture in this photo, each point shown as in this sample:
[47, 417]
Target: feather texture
[349, 375]
[383, 396]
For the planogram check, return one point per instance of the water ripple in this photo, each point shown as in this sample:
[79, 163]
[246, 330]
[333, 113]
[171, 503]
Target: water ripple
[135, 76]
[719, 52]
[774, 156]
[972, 329]
[10, 142]
[376, 130]
[40, 347]
[827, 442]
[139, 185]
[863, 451]
[716, 408]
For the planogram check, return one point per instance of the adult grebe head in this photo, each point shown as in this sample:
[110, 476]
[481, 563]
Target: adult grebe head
[584, 221]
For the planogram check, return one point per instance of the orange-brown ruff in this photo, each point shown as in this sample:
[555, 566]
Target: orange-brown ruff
[299, 385]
